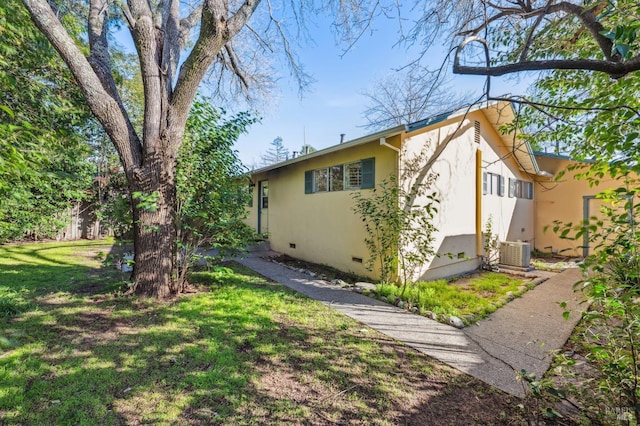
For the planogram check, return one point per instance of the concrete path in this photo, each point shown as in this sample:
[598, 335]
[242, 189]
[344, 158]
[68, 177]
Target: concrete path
[518, 336]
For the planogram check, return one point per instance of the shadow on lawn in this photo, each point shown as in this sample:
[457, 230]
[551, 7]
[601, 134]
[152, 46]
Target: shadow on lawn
[246, 352]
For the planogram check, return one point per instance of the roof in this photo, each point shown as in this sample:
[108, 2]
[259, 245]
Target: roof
[349, 144]
[561, 156]
[501, 113]
[497, 113]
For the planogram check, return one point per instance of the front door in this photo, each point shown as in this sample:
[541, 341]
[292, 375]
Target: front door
[263, 207]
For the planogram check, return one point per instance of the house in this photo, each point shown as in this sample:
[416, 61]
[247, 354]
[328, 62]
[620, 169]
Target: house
[305, 204]
[562, 197]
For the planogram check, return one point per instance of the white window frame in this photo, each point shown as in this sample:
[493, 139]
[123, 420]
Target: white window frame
[349, 168]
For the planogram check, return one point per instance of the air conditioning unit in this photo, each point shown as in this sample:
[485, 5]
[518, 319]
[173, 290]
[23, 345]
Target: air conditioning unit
[515, 253]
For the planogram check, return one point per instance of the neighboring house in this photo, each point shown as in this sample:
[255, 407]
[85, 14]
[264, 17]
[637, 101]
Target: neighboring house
[305, 204]
[563, 198]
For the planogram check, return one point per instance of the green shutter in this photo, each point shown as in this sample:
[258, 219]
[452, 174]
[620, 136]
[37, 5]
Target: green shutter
[308, 182]
[368, 173]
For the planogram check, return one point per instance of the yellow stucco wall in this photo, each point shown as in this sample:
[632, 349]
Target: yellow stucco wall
[322, 228]
[322, 225]
[562, 200]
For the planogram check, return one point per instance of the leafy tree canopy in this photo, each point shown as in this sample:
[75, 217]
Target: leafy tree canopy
[42, 122]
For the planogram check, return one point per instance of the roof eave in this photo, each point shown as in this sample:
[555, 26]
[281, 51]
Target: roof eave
[346, 145]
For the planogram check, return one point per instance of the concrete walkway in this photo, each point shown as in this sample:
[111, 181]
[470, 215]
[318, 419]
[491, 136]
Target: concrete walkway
[520, 335]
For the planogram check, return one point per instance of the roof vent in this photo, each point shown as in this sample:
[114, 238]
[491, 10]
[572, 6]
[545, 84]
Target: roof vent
[342, 135]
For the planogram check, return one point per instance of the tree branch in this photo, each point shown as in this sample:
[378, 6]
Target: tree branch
[104, 106]
[188, 23]
[587, 17]
[149, 43]
[215, 31]
[241, 17]
[233, 62]
[613, 69]
[99, 57]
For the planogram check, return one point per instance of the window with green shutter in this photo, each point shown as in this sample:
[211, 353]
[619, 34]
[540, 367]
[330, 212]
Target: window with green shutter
[308, 182]
[349, 176]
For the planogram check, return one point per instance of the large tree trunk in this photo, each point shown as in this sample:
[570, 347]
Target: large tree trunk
[154, 241]
[154, 230]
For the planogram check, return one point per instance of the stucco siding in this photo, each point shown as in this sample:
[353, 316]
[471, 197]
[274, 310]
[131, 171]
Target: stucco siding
[512, 218]
[321, 227]
[563, 200]
[456, 240]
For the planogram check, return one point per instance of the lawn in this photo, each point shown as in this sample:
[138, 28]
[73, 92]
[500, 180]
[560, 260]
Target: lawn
[470, 298]
[238, 350]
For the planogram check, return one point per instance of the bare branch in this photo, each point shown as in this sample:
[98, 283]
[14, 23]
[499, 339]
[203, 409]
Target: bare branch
[188, 23]
[99, 56]
[233, 62]
[614, 69]
[241, 17]
[527, 44]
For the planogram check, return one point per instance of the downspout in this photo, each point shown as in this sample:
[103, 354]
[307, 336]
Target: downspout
[383, 142]
[479, 202]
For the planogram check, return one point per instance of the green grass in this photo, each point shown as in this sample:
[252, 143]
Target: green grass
[473, 299]
[242, 351]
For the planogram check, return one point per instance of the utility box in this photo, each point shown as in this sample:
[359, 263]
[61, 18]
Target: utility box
[515, 253]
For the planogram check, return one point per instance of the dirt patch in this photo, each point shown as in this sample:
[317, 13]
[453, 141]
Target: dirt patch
[323, 272]
[439, 396]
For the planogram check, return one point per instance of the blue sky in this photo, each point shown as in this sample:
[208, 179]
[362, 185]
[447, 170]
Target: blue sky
[333, 104]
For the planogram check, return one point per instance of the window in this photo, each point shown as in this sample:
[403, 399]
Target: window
[349, 176]
[321, 180]
[520, 189]
[250, 200]
[353, 175]
[492, 183]
[264, 197]
[337, 178]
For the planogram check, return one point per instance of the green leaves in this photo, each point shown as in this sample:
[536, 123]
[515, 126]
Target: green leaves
[43, 155]
[212, 186]
[623, 37]
[399, 224]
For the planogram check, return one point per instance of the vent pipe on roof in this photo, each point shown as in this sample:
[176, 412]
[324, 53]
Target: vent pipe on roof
[295, 154]
[342, 135]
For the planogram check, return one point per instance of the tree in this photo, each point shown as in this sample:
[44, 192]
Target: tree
[306, 149]
[531, 35]
[586, 105]
[406, 96]
[43, 166]
[212, 186]
[161, 32]
[277, 153]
